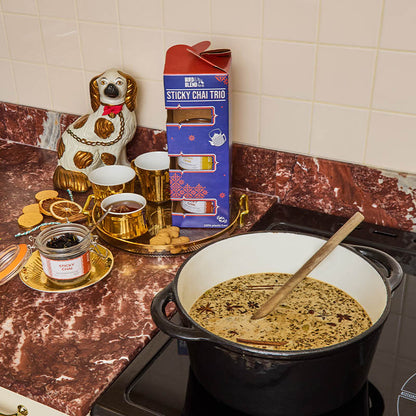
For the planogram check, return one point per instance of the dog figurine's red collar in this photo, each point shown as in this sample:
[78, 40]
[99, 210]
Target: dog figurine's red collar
[115, 109]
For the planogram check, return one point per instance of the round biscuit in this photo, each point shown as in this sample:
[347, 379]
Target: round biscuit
[49, 193]
[30, 220]
[30, 208]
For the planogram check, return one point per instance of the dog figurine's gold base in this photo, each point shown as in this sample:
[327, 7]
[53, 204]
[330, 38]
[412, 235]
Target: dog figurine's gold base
[67, 179]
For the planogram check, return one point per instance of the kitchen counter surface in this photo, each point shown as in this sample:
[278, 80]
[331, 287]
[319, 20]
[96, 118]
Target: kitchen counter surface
[64, 349]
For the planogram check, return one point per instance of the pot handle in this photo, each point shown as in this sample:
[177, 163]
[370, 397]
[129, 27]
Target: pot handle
[383, 261]
[174, 330]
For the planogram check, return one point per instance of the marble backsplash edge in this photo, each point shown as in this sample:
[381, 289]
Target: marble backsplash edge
[384, 197]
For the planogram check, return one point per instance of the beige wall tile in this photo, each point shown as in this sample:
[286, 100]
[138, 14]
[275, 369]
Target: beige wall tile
[246, 61]
[399, 29]
[172, 38]
[344, 75]
[25, 41]
[19, 6]
[68, 90]
[290, 20]
[4, 48]
[287, 69]
[352, 22]
[61, 40]
[32, 84]
[150, 110]
[187, 15]
[57, 8]
[104, 11]
[395, 86]
[285, 124]
[339, 132]
[237, 17]
[142, 13]
[245, 118]
[143, 52]
[7, 84]
[391, 142]
[100, 46]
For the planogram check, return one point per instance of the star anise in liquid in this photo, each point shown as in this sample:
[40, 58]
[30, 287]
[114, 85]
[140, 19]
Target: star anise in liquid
[207, 309]
[343, 317]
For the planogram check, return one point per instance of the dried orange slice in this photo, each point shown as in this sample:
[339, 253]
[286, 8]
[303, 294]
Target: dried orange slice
[45, 205]
[64, 209]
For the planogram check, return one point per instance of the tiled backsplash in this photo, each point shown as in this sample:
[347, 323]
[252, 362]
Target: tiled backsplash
[339, 188]
[328, 78]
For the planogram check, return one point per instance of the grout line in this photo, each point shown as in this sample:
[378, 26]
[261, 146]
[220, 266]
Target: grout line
[315, 70]
[260, 80]
[11, 60]
[163, 28]
[210, 19]
[45, 61]
[120, 45]
[373, 86]
[84, 74]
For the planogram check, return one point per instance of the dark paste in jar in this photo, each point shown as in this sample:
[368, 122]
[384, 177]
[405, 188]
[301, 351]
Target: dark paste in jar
[63, 241]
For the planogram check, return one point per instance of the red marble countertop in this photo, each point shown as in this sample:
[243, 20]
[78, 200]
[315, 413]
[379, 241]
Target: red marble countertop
[64, 349]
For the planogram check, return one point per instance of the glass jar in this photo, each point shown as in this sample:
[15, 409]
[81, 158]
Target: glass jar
[69, 265]
[12, 260]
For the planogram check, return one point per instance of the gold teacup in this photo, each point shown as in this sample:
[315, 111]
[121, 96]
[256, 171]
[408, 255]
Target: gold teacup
[126, 216]
[152, 169]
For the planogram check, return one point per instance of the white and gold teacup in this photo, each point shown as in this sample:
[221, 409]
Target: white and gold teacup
[126, 215]
[110, 180]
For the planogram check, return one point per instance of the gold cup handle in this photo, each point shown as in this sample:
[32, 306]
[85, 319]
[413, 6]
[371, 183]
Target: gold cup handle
[21, 411]
[85, 209]
[243, 202]
[96, 248]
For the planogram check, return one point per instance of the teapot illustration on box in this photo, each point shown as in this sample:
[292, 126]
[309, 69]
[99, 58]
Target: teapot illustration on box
[98, 138]
[217, 138]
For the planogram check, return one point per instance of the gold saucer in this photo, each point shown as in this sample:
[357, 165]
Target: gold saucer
[32, 274]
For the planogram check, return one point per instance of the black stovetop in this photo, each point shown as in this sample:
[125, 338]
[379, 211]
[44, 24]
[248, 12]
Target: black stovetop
[159, 380]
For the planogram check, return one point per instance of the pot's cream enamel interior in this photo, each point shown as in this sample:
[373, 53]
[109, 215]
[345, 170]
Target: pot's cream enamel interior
[281, 253]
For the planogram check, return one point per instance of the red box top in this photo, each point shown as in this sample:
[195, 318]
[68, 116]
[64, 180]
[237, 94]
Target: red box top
[196, 59]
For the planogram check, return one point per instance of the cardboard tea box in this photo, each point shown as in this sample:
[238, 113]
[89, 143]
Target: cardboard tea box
[196, 82]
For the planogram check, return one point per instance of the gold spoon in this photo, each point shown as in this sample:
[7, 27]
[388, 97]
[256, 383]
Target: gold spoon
[274, 300]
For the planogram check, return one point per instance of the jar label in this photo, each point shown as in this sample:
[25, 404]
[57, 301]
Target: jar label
[197, 207]
[66, 269]
[195, 162]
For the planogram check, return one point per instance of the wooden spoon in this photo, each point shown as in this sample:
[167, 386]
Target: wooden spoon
[287, 288]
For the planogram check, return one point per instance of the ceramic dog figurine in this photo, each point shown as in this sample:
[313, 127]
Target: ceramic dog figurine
[99, 138]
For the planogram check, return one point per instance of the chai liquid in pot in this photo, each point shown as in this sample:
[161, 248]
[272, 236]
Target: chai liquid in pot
[315, 315]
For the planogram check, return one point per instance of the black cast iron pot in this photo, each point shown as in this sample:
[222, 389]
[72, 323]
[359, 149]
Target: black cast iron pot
[280, 383]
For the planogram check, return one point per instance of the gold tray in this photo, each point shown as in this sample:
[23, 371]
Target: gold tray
[32, 274]
[159, 216]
